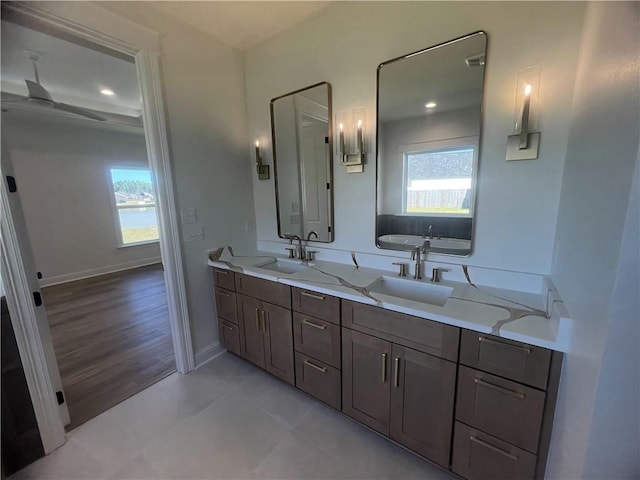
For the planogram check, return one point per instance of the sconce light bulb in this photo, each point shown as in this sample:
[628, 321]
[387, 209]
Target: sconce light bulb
[257, 143]
[341, 126]
[527, 89]
[359, 123]
[431, 105]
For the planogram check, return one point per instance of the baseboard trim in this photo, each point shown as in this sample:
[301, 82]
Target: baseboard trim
[208, 353]
[94, 272]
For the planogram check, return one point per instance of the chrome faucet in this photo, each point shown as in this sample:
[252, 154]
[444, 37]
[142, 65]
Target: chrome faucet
[430, 233]
[301, 254]
[416, 254]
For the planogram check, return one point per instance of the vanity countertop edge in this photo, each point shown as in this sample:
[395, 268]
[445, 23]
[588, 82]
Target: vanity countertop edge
[488, 310]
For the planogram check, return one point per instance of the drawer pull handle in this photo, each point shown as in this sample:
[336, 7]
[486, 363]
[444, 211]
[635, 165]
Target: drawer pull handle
[500, 389]
[222, 272]
[314, 325]
[227, 326]
[503, 344]
[223, 294]
[396, 372]
[263, 315]
[311, 295]
[384, 368]
[491, 447]
[257, 318]
[320, 369]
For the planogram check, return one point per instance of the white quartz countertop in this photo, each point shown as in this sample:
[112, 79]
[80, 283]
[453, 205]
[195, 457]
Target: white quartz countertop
[535, 319]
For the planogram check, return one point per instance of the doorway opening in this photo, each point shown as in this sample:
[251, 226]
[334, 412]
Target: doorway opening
[104, 293]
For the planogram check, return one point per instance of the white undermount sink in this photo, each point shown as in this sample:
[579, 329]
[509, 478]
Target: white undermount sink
[413, 290]
[282, 266]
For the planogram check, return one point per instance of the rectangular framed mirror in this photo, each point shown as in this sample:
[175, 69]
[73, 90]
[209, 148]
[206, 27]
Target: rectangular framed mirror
[429, 111]
[303, 163]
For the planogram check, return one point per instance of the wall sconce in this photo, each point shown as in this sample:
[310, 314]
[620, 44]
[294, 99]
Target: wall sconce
[261, 168]
[524, 145]
[351, 144]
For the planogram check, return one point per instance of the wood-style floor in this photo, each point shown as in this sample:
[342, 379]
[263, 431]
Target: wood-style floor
[112, 338]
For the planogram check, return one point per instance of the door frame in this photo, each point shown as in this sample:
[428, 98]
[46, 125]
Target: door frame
[100, 27]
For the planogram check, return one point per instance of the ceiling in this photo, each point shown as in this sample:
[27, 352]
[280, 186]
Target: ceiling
[239, 24]
[75, 74]
[71, 73]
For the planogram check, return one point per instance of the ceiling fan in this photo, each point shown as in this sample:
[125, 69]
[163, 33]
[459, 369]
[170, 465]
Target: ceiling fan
[39, 95]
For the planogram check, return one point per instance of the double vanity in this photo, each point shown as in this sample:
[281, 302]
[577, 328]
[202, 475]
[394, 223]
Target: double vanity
[464, 376]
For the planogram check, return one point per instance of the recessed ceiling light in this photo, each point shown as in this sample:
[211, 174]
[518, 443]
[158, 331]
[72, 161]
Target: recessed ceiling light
[431, 104]
[106, 91]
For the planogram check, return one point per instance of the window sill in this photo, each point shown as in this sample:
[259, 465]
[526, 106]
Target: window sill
[138, 244]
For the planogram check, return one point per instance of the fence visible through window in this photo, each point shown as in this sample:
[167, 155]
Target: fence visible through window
[439, 182]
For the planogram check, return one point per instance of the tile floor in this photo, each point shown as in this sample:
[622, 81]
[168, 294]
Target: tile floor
[229, 420]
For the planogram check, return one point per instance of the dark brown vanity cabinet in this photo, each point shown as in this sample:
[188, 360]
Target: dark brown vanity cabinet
[266, 336]
[506, 397]
[316, 332]
[479, 405]
[399, 391]
[228, 328]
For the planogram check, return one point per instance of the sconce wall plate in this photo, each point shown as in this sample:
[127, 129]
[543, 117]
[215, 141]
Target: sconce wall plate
[261, 168]
[514, 152]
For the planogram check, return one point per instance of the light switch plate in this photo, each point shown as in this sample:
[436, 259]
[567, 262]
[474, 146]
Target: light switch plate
[192, 233]
[189, 216]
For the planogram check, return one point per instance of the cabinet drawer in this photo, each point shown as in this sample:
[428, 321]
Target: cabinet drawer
[317, 305]
[226, 305]
[318, 379]
[508, 410]
[514, 360]
[272, 292]
[418, 333]
[224, 278]
[229, 335]
[317, 338]
[477, 455]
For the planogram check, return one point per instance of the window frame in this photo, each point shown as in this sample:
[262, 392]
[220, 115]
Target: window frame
[116, 211]
[471, 143]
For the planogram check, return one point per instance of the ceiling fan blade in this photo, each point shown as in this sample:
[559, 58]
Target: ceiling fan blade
[37, 91]
[78, 111]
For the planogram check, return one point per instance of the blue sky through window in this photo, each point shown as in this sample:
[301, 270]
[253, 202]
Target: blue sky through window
[142, 175]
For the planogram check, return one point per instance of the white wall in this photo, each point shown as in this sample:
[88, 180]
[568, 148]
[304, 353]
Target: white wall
[63, 178]
[517, 201]
[596, 428]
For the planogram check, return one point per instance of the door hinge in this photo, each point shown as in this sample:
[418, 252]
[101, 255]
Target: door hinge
[11, 184]
[39, 275]
[328, 186]
[37, 298]
[329, 228]
[326, 139]
[60, 397]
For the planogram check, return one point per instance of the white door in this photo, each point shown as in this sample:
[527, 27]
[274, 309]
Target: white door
[17, 218]
[313, 160]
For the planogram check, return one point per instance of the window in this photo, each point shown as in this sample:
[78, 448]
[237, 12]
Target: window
[135, 204]
[438, 182]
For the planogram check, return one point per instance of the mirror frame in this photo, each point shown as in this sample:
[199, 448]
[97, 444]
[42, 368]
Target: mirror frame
[330, 158]
[476, 160]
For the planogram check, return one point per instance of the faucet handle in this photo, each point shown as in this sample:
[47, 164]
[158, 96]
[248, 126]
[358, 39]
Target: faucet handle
[311, 255]
[436, 274]
[292, 252]
[403, 268]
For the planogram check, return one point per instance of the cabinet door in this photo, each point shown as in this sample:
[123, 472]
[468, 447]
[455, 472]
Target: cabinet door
[422, 394]
[365, 379]
[251, 335]
[278, 340]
